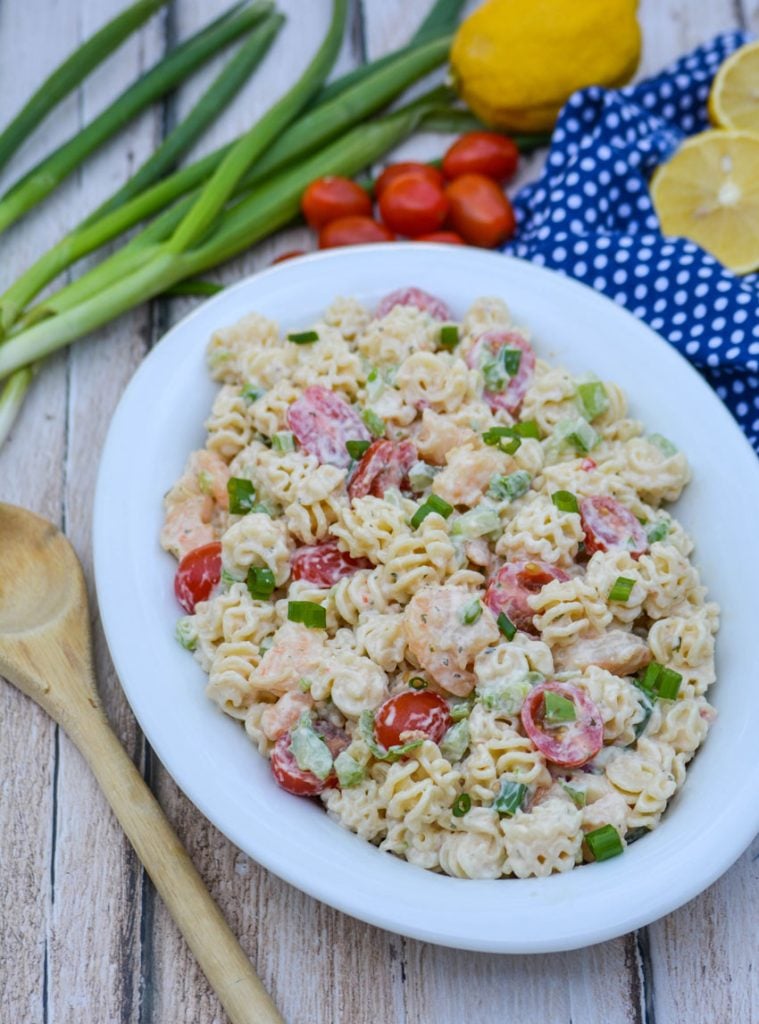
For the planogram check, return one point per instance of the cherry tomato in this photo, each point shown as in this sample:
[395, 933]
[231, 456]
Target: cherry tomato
[337, 739]
[483, 351]
[479, 211]
[287, 773]
[383, 465]
[323, 423]
[290, 254]
[495, 156]
[512, 586]
[325, 564]
[353, 231]
[412, 711]
[326, 199]
[431, 304]
[412, 205]
[197, 575]
[442, 237]
[607, 524]
[431, 174]
[572, 743]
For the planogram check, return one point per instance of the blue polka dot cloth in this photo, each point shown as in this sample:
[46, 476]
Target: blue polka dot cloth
[590, 216]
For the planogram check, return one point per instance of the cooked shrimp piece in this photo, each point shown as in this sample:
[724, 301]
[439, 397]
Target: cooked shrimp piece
[620, 653]
[440, 640]
[192, 502]
[296, 653]
[468, 473]
[282, 716]
[438, 435]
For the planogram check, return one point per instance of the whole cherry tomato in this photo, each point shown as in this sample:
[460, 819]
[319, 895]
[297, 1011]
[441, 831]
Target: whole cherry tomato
[355, 230]
[197, 575]
[495, 156]
[412, 711]
[412, 205]
[570, 743]
[390, 173]
[479, 211]
[326, 199]
[444, 237]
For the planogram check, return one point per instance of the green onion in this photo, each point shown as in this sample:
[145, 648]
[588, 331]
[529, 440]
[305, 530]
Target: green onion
[657, 531]
[565, 501]
[228, 578]
[512, 358]
[242, 495]
[669, 684]
[357, 448]
[505, 438]
[592, 399]
[283, 441]
[421, 475]
[432, 504]
[623, 587]
[303, 337]
[196, 287]
[373, 422]
[260, 582]
[309, 749]
[12, 398]
[417, 683]
[498, 371]
[477, 522]
[578, 796]
[309, 613]
[507, 694]
[510, 487]
[187, 633]
[635, 834]
[604, 842]
[349, 772]
[304, 685]
[506, 626]
[650, 678]
[576, 433]
[665, 446]
[510, 798]
[647, 704]
[375, 384]
[252, 392]
[449, 336]
[527, 428]
[558, 709]
[454, 743]
[461, 805]
[471, 612]
[461, 709]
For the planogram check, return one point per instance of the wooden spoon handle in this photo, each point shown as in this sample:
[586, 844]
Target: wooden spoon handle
[181, 888]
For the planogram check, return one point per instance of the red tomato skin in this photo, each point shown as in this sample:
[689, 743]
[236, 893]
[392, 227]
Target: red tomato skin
[383, 465]
[289, 254]
[508, 591]
[607, 524]
[325, 564]
[354, 230]
[323, 423]
[327, 199]
[495, 156]
[510, 399]
[287, 773]
[579, 741]
[431, 304]
[412, 711]
[479, 211]
[197, 574]
[411, 205]
[393, 171]
[442, 238]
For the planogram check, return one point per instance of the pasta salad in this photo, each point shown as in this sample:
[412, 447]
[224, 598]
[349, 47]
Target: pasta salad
[432, 576]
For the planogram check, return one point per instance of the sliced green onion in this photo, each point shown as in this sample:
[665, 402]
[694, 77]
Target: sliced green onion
[449, 336]
[592, 399]
[309, 613]
[229, 579]
[461, 709]
[242, 495]
[418, 683]
[461, 805]
[635, 834]
[512, 358]
[477, 522]
[252, 392]
[665, 446]
[284, 441]
[558, 709]
[504, 438]
[303, 337]
[309, 749]
[647, 704]
[421, 475]
[650, 678]
[510, 798]
[432, 504]
[506, 626]
[669, 684]
[657, 531]
[509, 694]
[375, 384]
[357, 448]
[565, 501]
[304, 685]
[527, 428]
[374, 423]
[604, 842]
[455, 742]
[576, 433]
[498, 371]
[187, 633]
[510, 487]
[623, 587]
[471, 611]
[349, 772]
[260, 582]
[578, 796]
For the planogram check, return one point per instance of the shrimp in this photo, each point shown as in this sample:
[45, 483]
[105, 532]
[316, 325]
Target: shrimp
[278, 718]
[440, 640]
[468, 473]
[297, 653]
[192, 503]
[620, 653]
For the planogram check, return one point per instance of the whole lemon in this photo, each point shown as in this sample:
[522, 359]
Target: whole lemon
[515, 62]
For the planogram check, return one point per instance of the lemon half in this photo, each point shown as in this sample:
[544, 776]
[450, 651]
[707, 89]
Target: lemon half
[734, 97]
[709, 192]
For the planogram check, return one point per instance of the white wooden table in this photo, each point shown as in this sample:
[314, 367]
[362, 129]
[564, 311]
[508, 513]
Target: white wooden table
[82, 936]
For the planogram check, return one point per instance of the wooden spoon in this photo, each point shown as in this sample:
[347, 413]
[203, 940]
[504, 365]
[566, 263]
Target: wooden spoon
[45, 652]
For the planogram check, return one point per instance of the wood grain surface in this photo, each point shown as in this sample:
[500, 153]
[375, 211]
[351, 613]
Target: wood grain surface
[82, 936]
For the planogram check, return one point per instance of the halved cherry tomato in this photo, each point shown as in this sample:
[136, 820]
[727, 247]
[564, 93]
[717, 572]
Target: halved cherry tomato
[287, 773]
[323, 423]
[512, 586]
[431, 304]
[355, 230]
[429, 173]
[412, 205]
[572, 743]
[289, 254]
[443, 237]
[197, 575]
[325, 564]
[480, 212]
[412, 711]
[485, 348]
[383, 465]
[607, 524]
[495, 156]
[328, 198]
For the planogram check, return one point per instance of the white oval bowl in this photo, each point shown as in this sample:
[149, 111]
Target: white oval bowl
[160, 420]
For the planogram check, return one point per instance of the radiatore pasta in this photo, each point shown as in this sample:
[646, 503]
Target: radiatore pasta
[431, 576]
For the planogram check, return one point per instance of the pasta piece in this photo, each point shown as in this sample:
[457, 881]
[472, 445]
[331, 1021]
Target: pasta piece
[230, 616]
[229, 428]
[230, 679]
[418, 559]
[383, 638]
[604, 569]
[358, 808]
[541, 532]
[393, 338]
[229, 346]
[348, 317]
[476, 849]
[417, 791]
[437, 381]
[257, 540]
[370, 527]
[618, 700]
[672, 582]
[550, 397]
[331, 363]
[568, 610]
[360, 593]
[547, 839]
